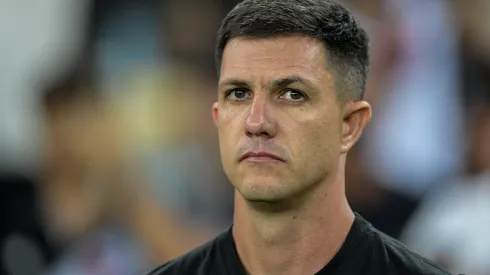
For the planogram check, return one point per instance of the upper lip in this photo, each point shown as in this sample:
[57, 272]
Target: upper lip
[259, 154]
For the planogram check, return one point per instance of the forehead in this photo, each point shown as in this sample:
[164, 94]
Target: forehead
[268, 57]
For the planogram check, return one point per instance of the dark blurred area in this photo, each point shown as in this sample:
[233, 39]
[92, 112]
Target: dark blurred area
[109, 161]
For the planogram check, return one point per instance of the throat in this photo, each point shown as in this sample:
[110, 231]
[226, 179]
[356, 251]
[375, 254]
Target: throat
[287, 241]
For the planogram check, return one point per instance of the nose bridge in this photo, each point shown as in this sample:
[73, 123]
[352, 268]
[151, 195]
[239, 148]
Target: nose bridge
[257, 112]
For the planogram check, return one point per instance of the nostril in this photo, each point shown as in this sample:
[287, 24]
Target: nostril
[258, 134]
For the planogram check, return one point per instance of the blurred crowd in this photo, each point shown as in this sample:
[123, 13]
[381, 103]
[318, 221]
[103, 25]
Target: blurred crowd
[109, 161]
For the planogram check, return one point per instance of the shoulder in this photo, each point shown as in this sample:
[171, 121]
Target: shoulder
[403, 260]
[197, 261]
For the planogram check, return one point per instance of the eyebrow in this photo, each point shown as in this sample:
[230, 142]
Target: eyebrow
[233, 82]
[281, 82]
[291, 80]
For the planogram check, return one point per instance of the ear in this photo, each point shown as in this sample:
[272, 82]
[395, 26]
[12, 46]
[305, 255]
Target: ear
[215, 113]
[356, 116]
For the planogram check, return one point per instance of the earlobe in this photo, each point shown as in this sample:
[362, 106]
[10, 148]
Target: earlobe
[356, 117]
[215, 113]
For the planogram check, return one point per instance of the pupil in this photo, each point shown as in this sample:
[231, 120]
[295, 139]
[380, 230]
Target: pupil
[239, 94]
[295, 95]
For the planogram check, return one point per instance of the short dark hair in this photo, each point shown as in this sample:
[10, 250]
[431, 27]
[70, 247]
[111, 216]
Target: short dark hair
[346, 43]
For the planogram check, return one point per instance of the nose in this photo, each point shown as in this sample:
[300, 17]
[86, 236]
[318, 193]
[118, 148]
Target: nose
[259, 121]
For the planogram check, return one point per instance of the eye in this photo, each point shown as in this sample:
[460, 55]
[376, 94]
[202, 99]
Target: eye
[238, 94]
[293, 95]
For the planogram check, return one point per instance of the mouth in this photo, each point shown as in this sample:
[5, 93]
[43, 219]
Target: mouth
[259, 157]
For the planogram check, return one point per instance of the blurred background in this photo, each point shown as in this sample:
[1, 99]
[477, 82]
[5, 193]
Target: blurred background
[108, 155]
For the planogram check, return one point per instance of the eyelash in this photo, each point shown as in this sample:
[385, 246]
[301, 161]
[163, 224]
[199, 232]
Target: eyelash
[304, 97]
[227, 96]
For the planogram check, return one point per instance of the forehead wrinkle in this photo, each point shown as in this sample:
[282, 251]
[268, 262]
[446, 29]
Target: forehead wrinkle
[268, 59]
[271, 80]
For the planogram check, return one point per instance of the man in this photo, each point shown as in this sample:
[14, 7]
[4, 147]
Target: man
[292, 79]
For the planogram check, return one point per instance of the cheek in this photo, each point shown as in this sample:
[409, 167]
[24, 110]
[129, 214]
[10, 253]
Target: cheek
[230, 122]
[314, 138]
[229, 130]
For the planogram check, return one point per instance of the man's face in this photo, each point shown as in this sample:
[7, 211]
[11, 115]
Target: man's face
[279, 120]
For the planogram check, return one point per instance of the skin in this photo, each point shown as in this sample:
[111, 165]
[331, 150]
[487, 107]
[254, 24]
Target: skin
[276, 95]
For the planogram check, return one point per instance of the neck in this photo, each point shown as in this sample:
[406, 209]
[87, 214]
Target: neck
[293, 240]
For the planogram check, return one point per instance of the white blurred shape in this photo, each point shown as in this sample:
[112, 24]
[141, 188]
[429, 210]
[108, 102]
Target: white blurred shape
[37, 38]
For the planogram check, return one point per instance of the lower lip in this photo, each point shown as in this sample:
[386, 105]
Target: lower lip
[261, 160]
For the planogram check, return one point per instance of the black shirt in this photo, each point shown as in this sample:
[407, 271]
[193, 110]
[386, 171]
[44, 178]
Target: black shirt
[366, 251]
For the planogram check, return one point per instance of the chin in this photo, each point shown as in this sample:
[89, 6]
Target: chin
[262, 197]
[264, 190]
